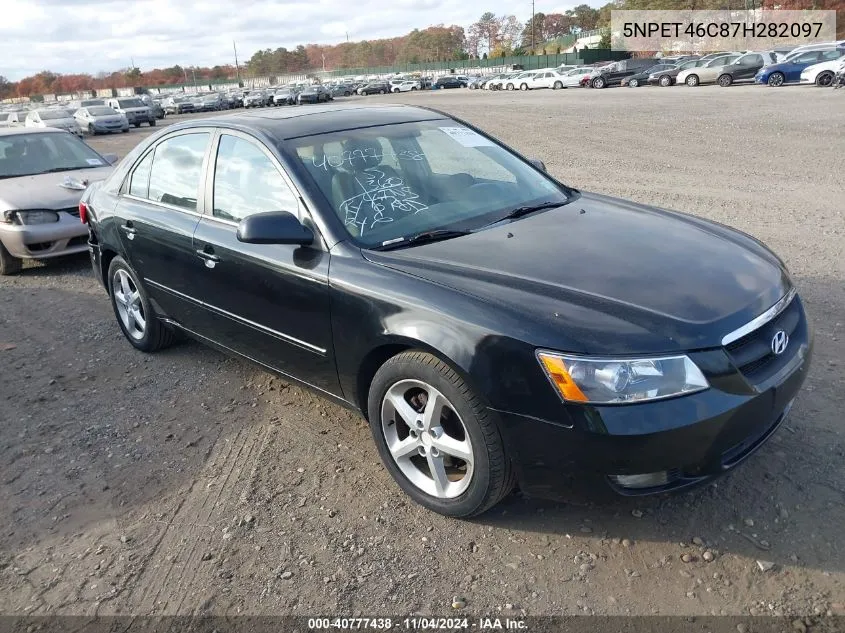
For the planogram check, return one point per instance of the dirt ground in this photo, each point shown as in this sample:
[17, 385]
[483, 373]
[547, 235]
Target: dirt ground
[191, 483]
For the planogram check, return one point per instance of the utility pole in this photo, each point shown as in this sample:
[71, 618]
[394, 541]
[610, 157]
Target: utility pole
[347, 37]
[237, 68]
[532, 27]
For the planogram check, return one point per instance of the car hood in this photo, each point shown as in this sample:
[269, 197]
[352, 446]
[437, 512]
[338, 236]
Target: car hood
[656, 280]
[60, 123]
[44, 191]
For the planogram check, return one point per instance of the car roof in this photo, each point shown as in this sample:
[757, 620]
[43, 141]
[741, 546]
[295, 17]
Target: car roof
[296, 122]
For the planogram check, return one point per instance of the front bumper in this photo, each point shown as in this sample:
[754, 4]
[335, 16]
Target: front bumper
[43, 241]
[693, 439]
[103, 128]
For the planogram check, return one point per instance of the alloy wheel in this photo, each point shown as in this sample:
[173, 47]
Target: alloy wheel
[427, 439]
[665, 81]
[127, 299]
[776, 79]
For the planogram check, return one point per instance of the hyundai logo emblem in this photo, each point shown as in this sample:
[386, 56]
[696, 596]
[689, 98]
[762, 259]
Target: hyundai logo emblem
[779, 342]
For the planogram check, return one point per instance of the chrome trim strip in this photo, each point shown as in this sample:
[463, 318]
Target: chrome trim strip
[281, 335]
[761, 320]
[163, 205]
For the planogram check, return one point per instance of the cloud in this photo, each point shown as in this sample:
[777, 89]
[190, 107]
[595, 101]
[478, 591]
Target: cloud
[70, 36]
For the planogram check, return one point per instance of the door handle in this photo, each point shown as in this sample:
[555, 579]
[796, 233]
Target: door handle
[208, 255]
[129, 229]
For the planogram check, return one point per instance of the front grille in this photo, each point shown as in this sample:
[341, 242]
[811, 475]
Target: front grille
[752, 354]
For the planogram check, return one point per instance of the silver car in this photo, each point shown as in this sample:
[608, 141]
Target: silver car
[101, 120]
[43, 173]
[57, 118]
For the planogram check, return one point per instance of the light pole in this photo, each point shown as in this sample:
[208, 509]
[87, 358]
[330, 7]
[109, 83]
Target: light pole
[532, 27]
[237, 68]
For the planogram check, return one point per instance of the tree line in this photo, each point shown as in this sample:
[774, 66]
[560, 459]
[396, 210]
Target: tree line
[489, 36]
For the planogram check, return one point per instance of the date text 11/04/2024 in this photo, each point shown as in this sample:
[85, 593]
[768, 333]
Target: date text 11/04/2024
[419, 623]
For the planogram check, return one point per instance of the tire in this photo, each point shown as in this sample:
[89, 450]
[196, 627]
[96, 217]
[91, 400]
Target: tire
[153, 123]
[396, 91]
[91, 130]
[692, 81]
[413, 88]
[634, 83]
[665, 81]
[599, 82]
[557, 85]
[725, 81]
[381, 92]
[489, 477]
[137, 124]
[154, 335]
[823, 80]
[347, 94]
[776, 79]
[523, 87]
[511, 87]
[126, 131]
[9, 264]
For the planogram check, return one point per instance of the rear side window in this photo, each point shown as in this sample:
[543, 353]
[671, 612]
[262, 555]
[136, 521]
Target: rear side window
[177, 170]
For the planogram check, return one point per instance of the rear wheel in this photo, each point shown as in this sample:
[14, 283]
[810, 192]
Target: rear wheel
[137, 124]
[511, 87]
[436, 437]
[599, 82]
[523, 87]
[665, 81]
[91, 129]
[725, 81]
[9, 264]
[135, 315]
[557, 85]
[634, 83]
[692, 81]
[153, 123]
[776, 79]
[824, 79]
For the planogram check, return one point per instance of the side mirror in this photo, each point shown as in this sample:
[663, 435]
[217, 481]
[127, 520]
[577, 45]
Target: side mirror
[277, 227]
[537, 163]
[111, 159]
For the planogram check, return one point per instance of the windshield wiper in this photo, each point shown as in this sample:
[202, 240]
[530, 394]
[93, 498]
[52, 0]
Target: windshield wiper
[426, 237]
[518, 212]
[53, 170]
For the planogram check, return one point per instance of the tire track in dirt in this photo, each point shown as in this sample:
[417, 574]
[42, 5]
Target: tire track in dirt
[169, 577]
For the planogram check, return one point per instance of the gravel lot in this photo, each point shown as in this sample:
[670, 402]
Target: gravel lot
[188, 482]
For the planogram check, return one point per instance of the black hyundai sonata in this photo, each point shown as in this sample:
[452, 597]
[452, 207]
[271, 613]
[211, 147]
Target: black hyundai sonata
[493, 325]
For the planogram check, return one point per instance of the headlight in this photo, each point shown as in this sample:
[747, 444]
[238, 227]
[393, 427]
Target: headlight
[37, 217]
[623, 380]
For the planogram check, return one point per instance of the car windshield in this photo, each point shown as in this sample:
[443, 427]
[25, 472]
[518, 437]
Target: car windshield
[130, 103]
[100, 111]
[4, 116]
[30, 154]
[52, 115]
[387, 183]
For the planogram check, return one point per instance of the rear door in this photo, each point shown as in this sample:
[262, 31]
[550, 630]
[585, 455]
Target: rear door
[269, 302]
[747, 66]
[158, 208]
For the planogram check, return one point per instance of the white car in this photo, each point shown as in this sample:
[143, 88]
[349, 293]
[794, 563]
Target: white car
[57, 118]
[518, 81]
[573, 78]
[545, 79]
[404, 86]
[822, 74]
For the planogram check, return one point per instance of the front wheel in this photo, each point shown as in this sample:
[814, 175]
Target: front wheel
[91, 129]
[725, 81]
[634, 83]
[824, 79]
[776, 79]
[665, 81]
[692, 81]
[511, 87]
[436, 437]
[137, 124]
[135, 315]
[523, 87]
[153, 123]
[381, 92]
[9, 264]
[599, 82]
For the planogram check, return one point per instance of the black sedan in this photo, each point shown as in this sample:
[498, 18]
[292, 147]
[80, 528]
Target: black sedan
[641, 78]
[492, 324]
[448, 82]
[313, 94]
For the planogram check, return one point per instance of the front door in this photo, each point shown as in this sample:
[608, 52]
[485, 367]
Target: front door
[748, 66]
[157, 212]
[269, 302]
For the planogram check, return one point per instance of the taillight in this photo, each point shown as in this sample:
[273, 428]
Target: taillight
[83, 212]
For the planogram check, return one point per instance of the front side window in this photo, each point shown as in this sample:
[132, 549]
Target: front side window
[177, 170]
[139, 183]
[389, 182]
[246, 181]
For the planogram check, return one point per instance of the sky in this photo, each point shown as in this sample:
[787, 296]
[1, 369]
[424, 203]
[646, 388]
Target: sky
[89, 36]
